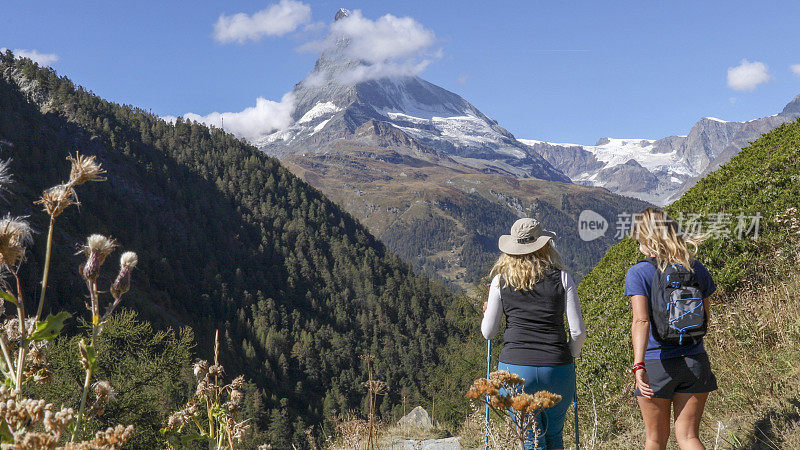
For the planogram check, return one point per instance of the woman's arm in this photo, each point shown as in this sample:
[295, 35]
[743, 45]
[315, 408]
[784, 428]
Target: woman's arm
[493, 312]
[640, 331]
[577, 329]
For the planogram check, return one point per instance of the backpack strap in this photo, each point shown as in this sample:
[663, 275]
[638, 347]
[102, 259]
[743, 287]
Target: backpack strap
[651, 260]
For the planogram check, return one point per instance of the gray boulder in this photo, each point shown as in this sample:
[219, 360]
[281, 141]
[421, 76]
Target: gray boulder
[418, 417]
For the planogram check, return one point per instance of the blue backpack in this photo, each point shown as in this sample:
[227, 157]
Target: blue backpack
[676, 307]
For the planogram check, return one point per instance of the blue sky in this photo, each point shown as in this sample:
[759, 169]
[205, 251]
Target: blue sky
[557, 71]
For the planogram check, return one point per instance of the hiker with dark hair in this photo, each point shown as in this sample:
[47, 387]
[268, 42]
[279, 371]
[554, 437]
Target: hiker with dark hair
[669, 293]
[531, 289]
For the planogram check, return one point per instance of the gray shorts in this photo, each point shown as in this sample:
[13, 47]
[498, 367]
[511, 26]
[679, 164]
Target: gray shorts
[684, 374]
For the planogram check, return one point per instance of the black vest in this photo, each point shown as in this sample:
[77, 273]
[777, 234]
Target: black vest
[535, 333]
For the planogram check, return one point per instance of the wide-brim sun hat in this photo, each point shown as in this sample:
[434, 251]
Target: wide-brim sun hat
[527, 236]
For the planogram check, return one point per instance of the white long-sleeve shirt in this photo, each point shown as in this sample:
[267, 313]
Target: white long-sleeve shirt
[577, 330]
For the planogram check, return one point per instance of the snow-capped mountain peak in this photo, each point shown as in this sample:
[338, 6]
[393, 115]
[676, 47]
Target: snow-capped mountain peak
[659, 170]
[342, 93]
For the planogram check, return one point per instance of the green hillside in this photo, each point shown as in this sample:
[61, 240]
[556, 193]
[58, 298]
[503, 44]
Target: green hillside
[227, 239]
[444, 218]
[755, 328]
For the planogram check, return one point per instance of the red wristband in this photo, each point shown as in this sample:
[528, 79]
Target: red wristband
[638, 368]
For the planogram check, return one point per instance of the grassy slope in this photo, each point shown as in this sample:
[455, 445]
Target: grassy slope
[751, 347]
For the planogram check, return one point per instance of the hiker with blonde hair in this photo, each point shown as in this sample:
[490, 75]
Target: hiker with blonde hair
[531, 289]
[669, 291]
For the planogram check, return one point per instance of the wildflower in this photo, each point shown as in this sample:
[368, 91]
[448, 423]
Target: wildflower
[113, 437]
[58, 198]
[177, 420]
[238, 383]
[191, 408]
[182, 416]
[473, 393]
[104, 392]
[36, 354]
[11, 328]
[545, 399]
[506, 377]
[521, 402]
[238, 430]
[500, 402]
[236, 396]
[204, 389]
[15, 234]
[84, 168]
[201, 369]
[122, 283]
[97, 248]
[216, 370]
[486, 387]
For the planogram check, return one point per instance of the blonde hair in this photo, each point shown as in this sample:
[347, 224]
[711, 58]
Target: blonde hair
[523, 271]
[658, 232]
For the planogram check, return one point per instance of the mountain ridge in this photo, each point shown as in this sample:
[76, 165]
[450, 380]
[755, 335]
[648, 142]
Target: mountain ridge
[673, 164]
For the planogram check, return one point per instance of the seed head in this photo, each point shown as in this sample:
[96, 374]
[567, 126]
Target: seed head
[104, 392]
[58, 198]
[238, 383]
[15, 234]
[122, 283]
[216, 370]
[84, 168]
[200, 369]
[97, 248]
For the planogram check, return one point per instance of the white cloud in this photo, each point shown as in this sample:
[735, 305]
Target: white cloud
[253, 122]
[275, 20]
[380, 70]
[795, 68]
[462, 79]
[43, 59]
[388, 37]
[389, 46]
[747, 75]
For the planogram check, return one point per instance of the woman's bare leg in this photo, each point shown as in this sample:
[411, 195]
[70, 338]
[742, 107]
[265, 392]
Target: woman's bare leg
[656, 415]
[688, 412]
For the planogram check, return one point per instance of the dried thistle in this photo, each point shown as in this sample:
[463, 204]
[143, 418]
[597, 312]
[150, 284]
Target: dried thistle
[122, 283]
[104, 392]
[84, 169]
[200, 369]
[97, 248]
[216, 370]
[58, 198]
[15, 235]
[238, 383]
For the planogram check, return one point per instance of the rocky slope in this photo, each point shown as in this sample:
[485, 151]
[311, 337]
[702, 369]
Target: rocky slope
[659, 171]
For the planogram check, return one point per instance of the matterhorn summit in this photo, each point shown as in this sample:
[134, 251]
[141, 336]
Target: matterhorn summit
[356, 98]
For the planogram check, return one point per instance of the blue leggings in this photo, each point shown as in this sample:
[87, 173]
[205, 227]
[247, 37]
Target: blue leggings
[557, 379]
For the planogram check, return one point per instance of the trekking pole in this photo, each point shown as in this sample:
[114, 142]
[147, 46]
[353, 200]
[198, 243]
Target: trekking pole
[575, 407]
[488, 370]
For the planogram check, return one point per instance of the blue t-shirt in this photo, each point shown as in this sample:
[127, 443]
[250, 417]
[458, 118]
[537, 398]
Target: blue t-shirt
[639, 280]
